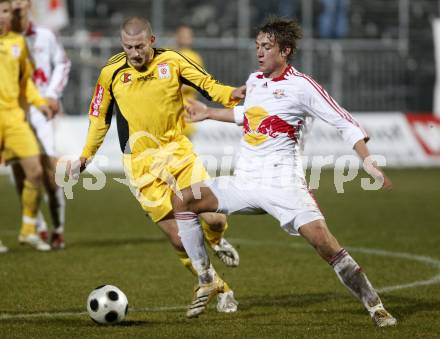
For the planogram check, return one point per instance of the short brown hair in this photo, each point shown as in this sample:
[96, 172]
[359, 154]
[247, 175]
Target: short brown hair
[8, 1]
[135, 25]
[285, 32]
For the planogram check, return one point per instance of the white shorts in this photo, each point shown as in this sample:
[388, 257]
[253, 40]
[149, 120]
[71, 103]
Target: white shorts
[293, 207]
[44, 130]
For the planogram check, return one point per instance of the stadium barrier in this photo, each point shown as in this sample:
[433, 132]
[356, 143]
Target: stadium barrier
[402, 140]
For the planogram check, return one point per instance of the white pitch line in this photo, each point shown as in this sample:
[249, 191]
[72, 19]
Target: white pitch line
[400, 255]
[8, 316]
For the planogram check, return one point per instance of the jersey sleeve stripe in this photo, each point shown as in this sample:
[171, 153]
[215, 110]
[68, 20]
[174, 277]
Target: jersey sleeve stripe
[343, 113]
[198, 67]
[338, 109]
[65, 77]
[115, 60]
[124, 66]
[199, 89]
[116, 56]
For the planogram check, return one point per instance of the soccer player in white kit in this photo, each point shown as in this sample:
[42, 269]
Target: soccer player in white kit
[269, 176]
[51, 73]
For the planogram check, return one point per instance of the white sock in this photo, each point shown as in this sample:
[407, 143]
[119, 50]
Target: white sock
[41, 222]
[351, 275]
[191, 234]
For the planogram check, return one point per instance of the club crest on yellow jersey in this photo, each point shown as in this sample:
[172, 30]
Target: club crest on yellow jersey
[164, 71]
[16, 51]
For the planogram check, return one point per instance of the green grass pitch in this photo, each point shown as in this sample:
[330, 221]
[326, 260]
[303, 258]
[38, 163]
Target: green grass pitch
[285, 290]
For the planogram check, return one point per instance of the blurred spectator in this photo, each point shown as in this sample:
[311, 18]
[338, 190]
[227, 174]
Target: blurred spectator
[333, 20]
[184, 41]
[287, 8]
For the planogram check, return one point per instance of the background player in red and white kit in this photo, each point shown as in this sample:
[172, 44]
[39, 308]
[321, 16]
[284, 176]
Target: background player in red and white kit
[269, 176]
[51, 73]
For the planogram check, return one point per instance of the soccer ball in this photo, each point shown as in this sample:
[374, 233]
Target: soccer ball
[107, 304]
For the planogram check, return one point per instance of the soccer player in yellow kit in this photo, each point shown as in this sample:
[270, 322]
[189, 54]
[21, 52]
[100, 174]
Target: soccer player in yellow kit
[16, 136]
[142, 86]
[184, 41]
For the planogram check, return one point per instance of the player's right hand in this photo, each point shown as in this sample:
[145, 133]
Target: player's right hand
[75, 167]
[47, 111]
[387, 183]
[376, 172]
[53, 104]
[239, 92]
[197, 111]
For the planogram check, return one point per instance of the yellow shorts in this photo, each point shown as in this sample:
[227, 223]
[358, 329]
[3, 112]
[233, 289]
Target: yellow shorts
[155, 179]
[17, 140]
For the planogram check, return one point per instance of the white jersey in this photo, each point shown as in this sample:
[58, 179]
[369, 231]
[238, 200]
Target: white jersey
[274, 116]
[52, 66]
[51, 73]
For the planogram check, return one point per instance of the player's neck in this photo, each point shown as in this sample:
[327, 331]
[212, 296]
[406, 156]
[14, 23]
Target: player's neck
[25, 24]
[277, 71]
[3, 31]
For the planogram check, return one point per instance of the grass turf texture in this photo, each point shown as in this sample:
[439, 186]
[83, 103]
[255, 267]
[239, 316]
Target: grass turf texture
[284, 288]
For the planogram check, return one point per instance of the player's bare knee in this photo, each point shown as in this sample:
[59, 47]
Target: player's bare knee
[182, 200]
[217, 221]
[35, 176]
[50, 183]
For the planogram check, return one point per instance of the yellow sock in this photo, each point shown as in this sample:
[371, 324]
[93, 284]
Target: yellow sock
[30, 200]
[213, 236]
[27, 228]
[186, 261]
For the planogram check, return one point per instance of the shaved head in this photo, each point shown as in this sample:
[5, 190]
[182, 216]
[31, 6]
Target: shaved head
[136, 25]
[137, 40]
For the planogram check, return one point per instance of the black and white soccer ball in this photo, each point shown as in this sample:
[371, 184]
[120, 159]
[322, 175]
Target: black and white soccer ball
[107, 304]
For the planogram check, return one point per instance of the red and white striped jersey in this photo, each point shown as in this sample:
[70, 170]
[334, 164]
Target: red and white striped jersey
[52, 66]
[277, 111]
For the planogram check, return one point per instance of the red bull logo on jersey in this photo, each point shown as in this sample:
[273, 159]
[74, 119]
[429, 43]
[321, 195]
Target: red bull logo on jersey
[279, 93]
[39, 77]
[258, 126]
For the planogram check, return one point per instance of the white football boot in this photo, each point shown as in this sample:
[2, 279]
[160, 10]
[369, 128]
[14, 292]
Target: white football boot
[226, 303]
[3, 248]
[382, 318]
[226, 253]
[34, 241]
[203, 294]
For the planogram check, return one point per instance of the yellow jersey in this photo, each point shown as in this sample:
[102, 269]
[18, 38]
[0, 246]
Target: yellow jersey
[187, 91]
[148, 105]
[16, 74]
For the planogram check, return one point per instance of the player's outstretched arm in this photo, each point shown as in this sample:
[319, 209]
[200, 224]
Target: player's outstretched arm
[239, 93]
[75, 167]
[371, 166]
[198, 111]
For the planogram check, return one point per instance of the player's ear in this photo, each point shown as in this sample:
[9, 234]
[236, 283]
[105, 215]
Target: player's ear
[152, 39]
[285, 53]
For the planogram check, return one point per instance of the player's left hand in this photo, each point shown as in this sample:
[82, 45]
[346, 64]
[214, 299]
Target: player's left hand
[196, 111]
[239, 93]
[74, 168]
